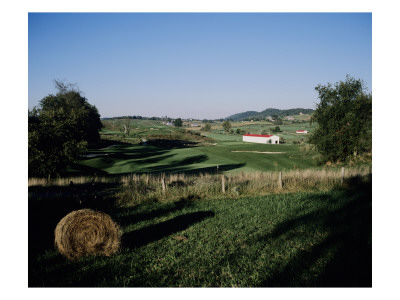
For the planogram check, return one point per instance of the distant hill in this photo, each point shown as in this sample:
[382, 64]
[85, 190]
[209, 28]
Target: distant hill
[269, 112]
[243, 115]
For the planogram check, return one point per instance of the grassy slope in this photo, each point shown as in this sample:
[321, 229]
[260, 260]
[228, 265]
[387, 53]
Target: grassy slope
[143, 128]
[149, 159]
[302, 239]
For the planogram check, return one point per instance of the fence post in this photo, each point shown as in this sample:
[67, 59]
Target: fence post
[342, 176]
[163, 184]
[280, 180]
[223, 183]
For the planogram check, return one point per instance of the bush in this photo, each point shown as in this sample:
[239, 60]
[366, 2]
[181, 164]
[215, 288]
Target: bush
[239, 131]
[275, 129]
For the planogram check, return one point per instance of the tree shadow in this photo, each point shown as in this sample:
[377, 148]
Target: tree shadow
[124, 156]
[131, 216]
[138, 157]
[171, 143]
[182, 168]
[179, 164]
[141, 237]
[106, 158]
[76, 169]
[349, 242]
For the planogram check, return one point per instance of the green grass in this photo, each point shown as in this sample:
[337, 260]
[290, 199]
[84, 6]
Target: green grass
[311, 233]
[145, 128]
[125, 159]
[295, 239]
[206, 157]
[222, 137]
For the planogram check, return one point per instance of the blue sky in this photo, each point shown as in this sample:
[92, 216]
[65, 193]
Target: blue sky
[199, 65]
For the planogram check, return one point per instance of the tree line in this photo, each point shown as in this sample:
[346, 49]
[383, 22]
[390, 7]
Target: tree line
[269, 112]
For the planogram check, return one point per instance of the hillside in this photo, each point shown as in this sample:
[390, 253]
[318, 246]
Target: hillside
[243, 115]
[268, 112]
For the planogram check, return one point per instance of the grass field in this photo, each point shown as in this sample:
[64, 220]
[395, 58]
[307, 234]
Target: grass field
[294, 239]
[215, 148]
[220, 218]
[228, 156]
[144, 129]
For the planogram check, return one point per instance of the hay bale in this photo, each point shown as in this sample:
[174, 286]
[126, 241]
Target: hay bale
[87, 232]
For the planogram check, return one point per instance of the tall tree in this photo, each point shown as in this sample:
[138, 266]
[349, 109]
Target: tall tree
[178, 122]
[60, 129]
[226, 125]
[344, 117]
[207, 127]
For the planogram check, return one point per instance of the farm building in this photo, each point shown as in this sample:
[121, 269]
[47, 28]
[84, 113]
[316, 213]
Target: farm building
[259, 138]
[301, 131]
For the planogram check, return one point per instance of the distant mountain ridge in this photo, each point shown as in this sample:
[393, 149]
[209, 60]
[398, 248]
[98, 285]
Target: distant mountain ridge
[268, 112]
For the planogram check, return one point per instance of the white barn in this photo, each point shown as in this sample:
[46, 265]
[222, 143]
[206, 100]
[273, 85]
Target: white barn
[259, 138]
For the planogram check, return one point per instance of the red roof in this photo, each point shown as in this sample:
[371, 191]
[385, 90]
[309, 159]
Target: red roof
[258, 135]
[300, 130]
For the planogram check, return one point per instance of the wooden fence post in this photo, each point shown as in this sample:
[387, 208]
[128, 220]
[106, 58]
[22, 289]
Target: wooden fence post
[280, 185]
[163, 184]
[223, 183]
[342, 176]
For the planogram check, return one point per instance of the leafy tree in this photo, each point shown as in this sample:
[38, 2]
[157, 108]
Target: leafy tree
[60, 129]
[227, 126]
[239, 131]
[344, 117]
[275, 129]
[278, 120]
[178, 122]
[207, 127]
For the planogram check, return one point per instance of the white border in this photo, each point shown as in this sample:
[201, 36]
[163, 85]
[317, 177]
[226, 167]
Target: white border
[14, 26]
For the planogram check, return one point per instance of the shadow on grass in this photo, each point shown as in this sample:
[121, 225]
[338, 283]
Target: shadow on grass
[49, 204]
[136, 160]
[141, 237]
[349, 242]
[345, 252]
[48, 268]
[123, 156]
[172, 143]
[130, 216]
[180, 167]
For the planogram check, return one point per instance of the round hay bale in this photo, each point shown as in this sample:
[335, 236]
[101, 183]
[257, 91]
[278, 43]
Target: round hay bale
[87, 232]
